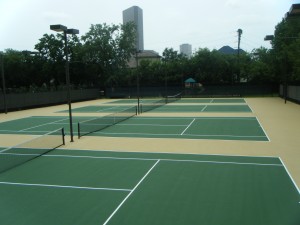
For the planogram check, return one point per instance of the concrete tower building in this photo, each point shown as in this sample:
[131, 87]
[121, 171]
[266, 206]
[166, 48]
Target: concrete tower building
[135, 14]
[186, 49]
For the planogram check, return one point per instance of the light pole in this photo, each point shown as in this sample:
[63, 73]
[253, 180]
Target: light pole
[137, 80]
[285, 87]
[3, 82]
[65, 30]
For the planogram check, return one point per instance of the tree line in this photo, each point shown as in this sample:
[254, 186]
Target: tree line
[99, 59]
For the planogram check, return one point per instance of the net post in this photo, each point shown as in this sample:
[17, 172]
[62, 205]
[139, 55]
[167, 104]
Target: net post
[78, 126]
[63, 135]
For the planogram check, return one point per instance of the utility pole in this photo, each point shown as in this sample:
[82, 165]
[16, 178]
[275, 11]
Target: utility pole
[240, 31]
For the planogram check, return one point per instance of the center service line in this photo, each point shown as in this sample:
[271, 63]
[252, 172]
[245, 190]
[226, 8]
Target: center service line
[114, 212]
[188, 127]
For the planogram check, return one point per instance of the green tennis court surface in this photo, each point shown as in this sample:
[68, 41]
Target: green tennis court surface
[218, 128]
[165, 108]
[184, 100]
[222, 128]
[202, 108]
[73, 187]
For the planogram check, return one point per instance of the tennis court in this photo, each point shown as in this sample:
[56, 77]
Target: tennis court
[73, 187]
[164, 108]
[185, 100]
[202, 108]
[217, 128]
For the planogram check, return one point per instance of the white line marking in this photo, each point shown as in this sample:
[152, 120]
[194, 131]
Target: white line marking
[103, 110]
[169, 153]
[198, 118]
[220, 162]
[90, 119]
[188, 127]
[62, 186]
[290, 175]
[136, 186]
[155, 159]
[187, 135]
[150, 125]
[30, 132]
[263, 129]
[42, 125]
[204, 108]
[102, 157]
[249, 106]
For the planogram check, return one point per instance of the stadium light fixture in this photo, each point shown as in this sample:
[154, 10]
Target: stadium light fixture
[58, 28]
[65, 30]
[269, 38]
[26, 52]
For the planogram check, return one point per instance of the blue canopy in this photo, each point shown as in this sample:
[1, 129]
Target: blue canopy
[190, 80]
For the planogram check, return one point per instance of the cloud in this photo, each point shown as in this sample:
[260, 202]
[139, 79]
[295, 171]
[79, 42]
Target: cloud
[233, 4]
[50, 16]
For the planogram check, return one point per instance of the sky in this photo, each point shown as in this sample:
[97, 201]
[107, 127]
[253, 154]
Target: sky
[167, 23]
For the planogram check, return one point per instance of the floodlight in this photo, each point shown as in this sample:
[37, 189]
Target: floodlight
[58, 28]
[72, 31]
[269, 38]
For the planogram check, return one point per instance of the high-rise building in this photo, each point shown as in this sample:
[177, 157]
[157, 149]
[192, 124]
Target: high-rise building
[135, 14]
[186, 49]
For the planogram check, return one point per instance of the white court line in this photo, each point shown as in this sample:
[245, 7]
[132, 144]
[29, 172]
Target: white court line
[198, 118]
[166, 159]
[188, 127]
[263, 129]
[64, 123]
[151, 125]
[30, 132]
[249, 106]
[91, 119]
[290, 176]
[42, 125]
[221, 162]
[170, 153]
[204, 108]
[153, 159]
[187, 135]
[136, 186]
[103, 110]
[62, 186]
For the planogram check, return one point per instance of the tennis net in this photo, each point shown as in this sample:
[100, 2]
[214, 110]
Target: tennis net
[173, 98]
[145, 107]
[24, 152]
[100, 123]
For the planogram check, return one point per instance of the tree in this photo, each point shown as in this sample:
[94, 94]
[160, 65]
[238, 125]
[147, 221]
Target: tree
[286, 46]
[173, 66]
[262, 68]
[107, 49]
[170, 55]
[52, 56]
[14, 70]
